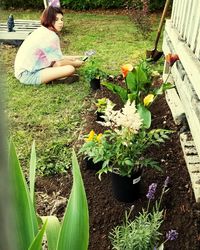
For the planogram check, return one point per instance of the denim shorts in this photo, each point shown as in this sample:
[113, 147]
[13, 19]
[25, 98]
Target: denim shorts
[32, 78]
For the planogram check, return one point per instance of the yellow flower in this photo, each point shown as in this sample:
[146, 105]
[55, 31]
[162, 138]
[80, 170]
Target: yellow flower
[148, 99]
[99, 137]
[126, 68]
[91, 136]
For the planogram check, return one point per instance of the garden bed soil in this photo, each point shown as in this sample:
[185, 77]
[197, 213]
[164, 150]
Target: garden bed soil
[182, 213]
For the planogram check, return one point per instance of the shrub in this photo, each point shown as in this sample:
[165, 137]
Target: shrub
[79, 4]
[25, 4]
[139, 14]
[89, 4]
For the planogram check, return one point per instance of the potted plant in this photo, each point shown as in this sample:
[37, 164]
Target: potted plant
[139, 86]
[122, 149]
[93, 74]
[143, 232]
[90, 161]
[101, 105]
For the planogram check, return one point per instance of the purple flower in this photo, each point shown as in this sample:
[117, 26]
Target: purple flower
[151, 192]
[172, 235]
[166, 182]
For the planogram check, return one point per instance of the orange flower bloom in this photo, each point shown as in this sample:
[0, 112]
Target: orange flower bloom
[171, 59]
[126, 68]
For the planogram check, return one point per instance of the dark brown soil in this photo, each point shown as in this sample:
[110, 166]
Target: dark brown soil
[181, 211]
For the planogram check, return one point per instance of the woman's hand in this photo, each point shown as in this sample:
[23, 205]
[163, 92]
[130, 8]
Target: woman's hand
[75, 62]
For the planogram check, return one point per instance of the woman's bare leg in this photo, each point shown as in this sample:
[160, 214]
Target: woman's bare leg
[52, 73]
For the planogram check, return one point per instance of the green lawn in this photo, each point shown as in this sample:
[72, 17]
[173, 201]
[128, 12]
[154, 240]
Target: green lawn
[51, 115]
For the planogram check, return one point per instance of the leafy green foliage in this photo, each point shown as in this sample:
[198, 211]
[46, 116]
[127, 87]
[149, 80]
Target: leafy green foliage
[101, 104]
[143, 232]
[52, 231]
[37, 4]
[74, 231]
[78, 4]
[24, 218]
[122, 147]
[92, 71]
[140, 234]
[89, 4]
[138, 86]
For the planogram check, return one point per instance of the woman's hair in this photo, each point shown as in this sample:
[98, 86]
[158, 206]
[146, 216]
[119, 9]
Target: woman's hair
[48, 17]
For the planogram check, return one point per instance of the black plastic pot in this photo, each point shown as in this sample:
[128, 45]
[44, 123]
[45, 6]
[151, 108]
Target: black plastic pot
[95, 83]
[91, 165]
[126, 189]
[99, 118]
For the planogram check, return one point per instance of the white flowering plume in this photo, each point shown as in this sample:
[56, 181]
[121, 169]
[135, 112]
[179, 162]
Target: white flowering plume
[127, 117]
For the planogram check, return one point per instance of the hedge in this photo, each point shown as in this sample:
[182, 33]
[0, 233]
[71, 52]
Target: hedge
[79, 4]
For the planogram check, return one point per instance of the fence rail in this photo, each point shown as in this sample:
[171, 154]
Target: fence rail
[182, 37]
[186, 19]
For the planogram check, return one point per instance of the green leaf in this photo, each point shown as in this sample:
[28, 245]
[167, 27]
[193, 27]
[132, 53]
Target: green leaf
[128, 162]
[132, 96]
[131, 81]
[52, 231]
[168, 85]
[37, 243]
[74, 233]
[163, 88]
[145, 114]
[141, 76]
[32, 172]
[122, 92]
[24, 217]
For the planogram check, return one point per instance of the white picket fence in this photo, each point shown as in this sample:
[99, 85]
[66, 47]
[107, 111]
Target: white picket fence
[186, 19]
[182, 37]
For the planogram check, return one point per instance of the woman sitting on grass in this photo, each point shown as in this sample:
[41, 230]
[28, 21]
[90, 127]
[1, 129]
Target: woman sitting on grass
[40, 60]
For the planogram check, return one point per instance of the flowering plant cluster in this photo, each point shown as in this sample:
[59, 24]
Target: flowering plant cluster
[139, 86]
[101, 104]
[144, 231]
[122, 147]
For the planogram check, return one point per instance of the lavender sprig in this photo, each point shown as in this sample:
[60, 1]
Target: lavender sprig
[151, 193]
[166, 182]
[172, 235]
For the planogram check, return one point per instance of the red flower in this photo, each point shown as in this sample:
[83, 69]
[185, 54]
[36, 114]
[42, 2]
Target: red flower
[171, 59]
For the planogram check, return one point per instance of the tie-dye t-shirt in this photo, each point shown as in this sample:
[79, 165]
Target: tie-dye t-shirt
[38, 51]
